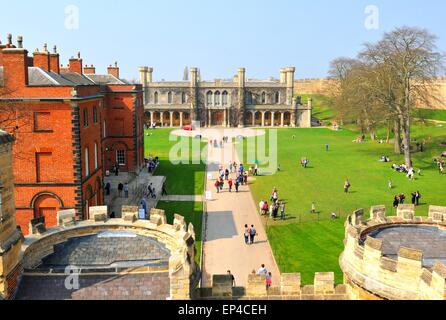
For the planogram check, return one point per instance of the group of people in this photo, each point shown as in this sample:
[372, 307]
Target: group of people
[401, 199]
[122, 188]
[274, 208]
[384, 159]
[216, 143]
[409, 171]
[269, 277]
[304, 162]
[249, 234]
[224, 175]
[440, 164]
[152, 164]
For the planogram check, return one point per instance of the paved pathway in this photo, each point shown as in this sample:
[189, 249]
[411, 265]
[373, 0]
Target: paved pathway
[136, 186]
[224, 247]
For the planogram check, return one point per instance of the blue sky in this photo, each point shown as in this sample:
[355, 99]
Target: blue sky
[217, 36]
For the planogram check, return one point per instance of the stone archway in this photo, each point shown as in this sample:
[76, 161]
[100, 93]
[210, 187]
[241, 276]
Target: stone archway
[258, 119]
[176, 121]
[249, 120]
[287, 119]
[217, 117]
[277, 119]
[268, 118]
[165, 121]
[47, 205]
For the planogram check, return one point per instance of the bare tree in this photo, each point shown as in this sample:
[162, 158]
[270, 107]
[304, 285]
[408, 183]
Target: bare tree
[387, 79]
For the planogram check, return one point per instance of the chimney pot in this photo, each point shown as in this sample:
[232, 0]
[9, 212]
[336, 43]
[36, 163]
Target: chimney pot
[9, 37]
[45, 47]
[79, 55]
[55, 49]
[20, 42]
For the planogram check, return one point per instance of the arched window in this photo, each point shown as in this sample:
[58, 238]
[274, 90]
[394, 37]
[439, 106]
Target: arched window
[263, 97]
[277, 98]
[183, 98]
[169, 97]
[225, 98]
[217, 97]
[209, 97]
[155, 98]
[248, 98]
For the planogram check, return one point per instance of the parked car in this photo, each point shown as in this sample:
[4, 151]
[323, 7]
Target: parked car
[188, 128]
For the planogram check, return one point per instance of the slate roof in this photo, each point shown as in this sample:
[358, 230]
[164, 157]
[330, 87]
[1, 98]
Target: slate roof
[103, 79]
[40, 77]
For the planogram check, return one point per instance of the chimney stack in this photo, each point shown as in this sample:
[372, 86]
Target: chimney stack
[76, 64]
[15, 65]
[54, 61]
[42, 59]
[114, 71]
[89, 70]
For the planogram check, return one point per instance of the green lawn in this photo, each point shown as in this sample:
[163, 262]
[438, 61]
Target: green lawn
[192, 212]
[321, 106]
[430, 114]
[301, 243]
[182, 179]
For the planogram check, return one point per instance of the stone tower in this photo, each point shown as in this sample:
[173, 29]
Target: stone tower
[10, 236]
[241, 76]
[195, 113]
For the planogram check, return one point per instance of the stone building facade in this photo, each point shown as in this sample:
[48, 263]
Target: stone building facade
[10, 236]
[238, 102]
[71, 126]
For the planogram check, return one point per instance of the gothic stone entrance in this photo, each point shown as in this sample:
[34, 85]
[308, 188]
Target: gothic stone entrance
[217, 118]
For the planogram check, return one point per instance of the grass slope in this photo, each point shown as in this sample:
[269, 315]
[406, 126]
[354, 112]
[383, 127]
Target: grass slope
[182, 179]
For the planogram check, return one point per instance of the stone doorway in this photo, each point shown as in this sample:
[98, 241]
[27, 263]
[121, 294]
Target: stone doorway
[217, 118]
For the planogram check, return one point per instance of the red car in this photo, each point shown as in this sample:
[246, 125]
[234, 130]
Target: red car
[188, 128]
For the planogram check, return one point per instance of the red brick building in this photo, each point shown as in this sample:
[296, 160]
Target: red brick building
[71, 125]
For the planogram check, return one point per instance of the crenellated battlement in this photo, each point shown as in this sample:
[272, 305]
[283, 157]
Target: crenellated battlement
[288, 287]
[178, 238]
[371, 273]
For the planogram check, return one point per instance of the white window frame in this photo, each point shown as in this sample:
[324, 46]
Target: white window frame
[96, 162]
[117, 157]
[87, 163]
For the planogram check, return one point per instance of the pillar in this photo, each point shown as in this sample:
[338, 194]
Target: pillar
[224, 118]
[171, 119]
[253, 118]
[209, 118]
[241, 75]
[151, 117]
[181, 119]
[282, 119]
[263, 118]
[272, 118]
[162, 118]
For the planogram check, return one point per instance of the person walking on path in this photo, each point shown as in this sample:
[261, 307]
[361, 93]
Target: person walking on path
[126, 190]
[246, 234]
[164, 191]
[226, 174]
[269, 280]
[230, 183]
[347, 185]
[237, 185]
[217, 185]
[107, 189]
[120, 188]
[116, 168]
[262, 270]
[252, 234]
